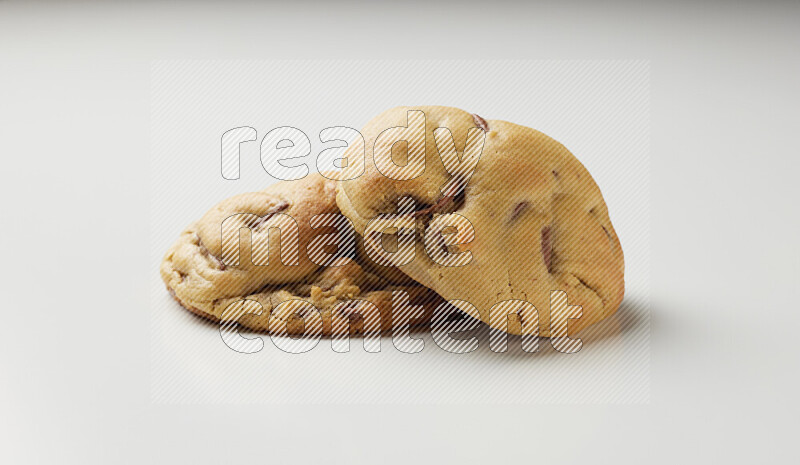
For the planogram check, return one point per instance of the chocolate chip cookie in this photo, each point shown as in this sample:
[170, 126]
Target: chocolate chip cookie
[208, 276]
[538, 220]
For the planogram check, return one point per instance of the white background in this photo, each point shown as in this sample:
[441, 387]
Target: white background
[600, 109]
[75, 125]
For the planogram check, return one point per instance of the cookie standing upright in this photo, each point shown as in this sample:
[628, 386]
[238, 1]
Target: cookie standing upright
[540, 221]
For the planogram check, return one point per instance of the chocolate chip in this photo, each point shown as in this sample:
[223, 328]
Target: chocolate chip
[440, 205]
[518, 209]
[350, 311]
[590, 288]
[521, 316]
[480, 122]
[278, 208]
[593, 212]
[300, 313]
[203, 250]
[445, 204]
[547, 248]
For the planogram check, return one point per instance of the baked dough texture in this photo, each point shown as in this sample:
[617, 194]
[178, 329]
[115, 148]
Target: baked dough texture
[202, 282]
[540, 222]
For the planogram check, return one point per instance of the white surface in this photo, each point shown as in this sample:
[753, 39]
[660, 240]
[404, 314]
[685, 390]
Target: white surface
[75, 343]
[599, 109]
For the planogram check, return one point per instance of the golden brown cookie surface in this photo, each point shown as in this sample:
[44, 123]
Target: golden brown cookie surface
[540, 222]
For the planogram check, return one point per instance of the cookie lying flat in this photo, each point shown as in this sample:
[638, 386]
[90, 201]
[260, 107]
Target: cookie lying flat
[540, 222]
[200, 280]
